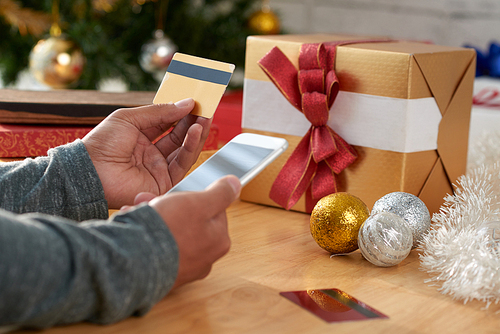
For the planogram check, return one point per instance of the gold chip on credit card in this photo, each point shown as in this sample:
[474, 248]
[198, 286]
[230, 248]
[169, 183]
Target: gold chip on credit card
[202, 79]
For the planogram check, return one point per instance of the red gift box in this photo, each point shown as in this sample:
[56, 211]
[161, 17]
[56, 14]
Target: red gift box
[228, 115]
[18, 141]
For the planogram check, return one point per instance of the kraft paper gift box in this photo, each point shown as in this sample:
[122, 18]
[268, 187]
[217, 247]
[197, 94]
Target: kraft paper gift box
[404, 107]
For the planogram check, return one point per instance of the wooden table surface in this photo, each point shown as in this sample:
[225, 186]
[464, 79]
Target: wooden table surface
[272, 251]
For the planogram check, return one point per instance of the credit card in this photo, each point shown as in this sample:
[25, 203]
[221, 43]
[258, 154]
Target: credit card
[202, 79]
[332, 305]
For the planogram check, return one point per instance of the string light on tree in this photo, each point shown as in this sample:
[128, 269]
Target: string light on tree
[56, 61]
[27, 21]
[104, 5]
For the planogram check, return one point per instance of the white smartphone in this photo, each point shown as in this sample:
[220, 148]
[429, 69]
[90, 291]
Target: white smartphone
[245, 156]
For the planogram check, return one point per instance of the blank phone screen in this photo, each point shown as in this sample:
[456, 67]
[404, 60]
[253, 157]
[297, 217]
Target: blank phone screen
[234, 158]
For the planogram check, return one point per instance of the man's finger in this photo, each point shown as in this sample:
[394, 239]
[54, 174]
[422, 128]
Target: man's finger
[143, 197]
[181, 160]
[153, 120]
[175, 139]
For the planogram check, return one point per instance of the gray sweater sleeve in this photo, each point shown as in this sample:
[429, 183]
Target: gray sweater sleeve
[64, 183]
[54, 270]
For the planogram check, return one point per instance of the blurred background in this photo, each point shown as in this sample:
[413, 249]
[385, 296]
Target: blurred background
[446, 22]
[120, 45]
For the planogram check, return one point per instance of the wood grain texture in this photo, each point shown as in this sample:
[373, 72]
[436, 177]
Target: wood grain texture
[72, 96]
[272, 251]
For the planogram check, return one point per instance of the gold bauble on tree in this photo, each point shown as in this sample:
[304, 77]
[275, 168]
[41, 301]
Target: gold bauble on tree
[264, 21]
[56, 62]
[336, 220]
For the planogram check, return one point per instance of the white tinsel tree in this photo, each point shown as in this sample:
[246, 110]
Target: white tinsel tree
[462, 250]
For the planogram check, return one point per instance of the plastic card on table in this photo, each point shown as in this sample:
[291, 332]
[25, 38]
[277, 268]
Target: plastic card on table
[332, 305]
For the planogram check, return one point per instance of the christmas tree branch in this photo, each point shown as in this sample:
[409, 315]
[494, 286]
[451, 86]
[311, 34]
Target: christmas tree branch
[25, 20]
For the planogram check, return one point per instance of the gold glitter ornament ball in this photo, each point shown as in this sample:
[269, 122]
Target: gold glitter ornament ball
[336, 220]
[57, 62]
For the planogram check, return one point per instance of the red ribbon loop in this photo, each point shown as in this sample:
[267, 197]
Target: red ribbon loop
[283, 74]
[322, 153]
[332, 87]
[311, 81]
[313, 56]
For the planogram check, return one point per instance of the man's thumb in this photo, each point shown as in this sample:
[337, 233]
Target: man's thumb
[223, 192]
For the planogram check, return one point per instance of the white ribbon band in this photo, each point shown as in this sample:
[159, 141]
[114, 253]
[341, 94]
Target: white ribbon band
[385, 123]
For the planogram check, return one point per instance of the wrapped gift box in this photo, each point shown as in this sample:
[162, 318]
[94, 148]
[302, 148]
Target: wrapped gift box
[403, 106]
[21, 140]
[31, 122]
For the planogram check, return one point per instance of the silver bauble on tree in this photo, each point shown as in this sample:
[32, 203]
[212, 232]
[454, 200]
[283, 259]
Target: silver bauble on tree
[156, 54]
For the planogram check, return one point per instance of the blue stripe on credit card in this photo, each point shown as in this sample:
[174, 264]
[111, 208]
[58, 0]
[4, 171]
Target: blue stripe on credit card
[199, 72]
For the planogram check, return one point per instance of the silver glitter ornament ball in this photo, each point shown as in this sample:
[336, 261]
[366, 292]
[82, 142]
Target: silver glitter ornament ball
[156, 55]
[385, 239]
[410, 208]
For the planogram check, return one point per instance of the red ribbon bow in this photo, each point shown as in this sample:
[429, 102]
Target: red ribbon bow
[321, 154]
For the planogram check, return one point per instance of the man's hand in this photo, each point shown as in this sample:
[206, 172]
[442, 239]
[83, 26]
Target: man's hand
[198, 222]
[127, 162]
